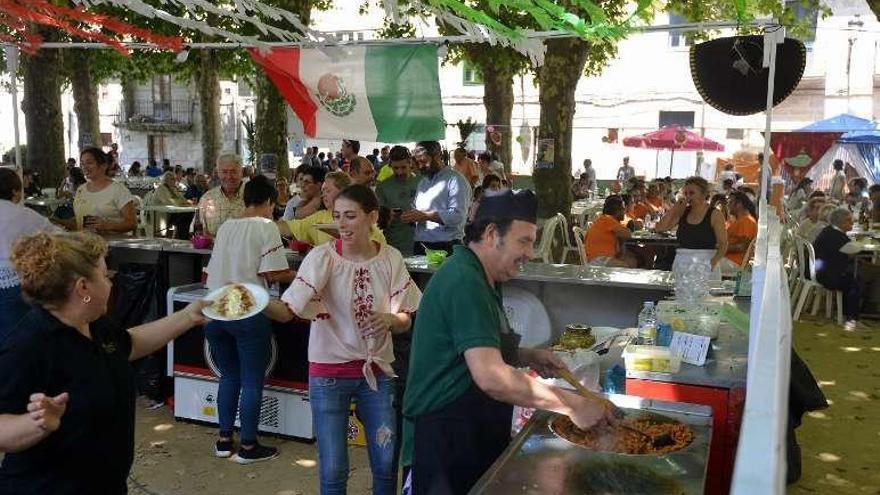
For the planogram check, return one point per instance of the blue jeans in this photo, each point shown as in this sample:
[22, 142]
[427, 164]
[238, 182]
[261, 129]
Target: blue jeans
[331, 400]
[12, 309]
[241, 351]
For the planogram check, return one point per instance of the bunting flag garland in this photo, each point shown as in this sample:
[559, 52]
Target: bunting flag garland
[244, 11]
[20, 16]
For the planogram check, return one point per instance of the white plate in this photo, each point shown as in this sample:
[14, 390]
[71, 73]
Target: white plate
[261, 300]
[527, 316]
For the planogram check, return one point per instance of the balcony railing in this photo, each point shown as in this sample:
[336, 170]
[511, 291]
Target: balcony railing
[149, 115]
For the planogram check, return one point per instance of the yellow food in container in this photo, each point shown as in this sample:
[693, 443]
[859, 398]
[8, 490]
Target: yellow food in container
[651, 358]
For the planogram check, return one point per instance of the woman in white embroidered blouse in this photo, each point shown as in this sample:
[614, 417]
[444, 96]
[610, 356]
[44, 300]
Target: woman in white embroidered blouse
[357, 292]
[17, 221]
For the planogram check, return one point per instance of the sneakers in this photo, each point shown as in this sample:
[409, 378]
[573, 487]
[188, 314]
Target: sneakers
[223, 448]
[256, 453]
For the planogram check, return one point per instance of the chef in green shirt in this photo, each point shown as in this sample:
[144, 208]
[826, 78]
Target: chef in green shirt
[398, 194]
[463, 378]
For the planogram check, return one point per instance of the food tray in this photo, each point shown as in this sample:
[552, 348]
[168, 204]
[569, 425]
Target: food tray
[539, 462]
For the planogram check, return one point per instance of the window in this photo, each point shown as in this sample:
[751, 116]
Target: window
[244, 89]
[472, 76]
[156, 148]
[683, 119]
[735, 133]
[806, 17]
[677, 38]
[611, 136]
[162, 97]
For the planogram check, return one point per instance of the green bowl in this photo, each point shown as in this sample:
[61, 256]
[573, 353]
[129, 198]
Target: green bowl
[436, 256]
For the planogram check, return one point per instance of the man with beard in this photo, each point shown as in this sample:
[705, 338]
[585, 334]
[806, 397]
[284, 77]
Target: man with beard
[463, 378]
[397, 195]
[442, 200]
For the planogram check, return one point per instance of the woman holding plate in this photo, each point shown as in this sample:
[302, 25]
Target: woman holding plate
[247, 250]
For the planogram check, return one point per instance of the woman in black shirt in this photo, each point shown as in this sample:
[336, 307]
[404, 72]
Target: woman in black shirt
[698, 225]
[66, 360]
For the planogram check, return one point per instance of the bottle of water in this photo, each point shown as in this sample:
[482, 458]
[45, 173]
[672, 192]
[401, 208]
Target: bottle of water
[647, 324]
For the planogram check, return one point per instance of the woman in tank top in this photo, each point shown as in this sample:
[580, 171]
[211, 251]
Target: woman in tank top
[699, 227]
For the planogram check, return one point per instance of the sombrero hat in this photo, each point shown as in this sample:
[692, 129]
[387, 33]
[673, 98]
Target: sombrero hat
[729, 72]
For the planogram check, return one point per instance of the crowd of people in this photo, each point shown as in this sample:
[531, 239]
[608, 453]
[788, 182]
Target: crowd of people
[61, 407]
[68, 395]
[824, 219]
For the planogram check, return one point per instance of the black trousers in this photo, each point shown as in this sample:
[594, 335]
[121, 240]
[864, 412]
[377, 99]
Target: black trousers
[457, 444]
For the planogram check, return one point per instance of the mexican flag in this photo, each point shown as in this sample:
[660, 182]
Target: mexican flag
[386, 94]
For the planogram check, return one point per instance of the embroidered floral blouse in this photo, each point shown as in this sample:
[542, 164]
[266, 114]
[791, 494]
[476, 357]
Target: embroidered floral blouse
[340, 295]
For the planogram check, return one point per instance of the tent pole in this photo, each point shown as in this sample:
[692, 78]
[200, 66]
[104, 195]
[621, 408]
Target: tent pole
[771, 39]
[656, 163]
[671, 158]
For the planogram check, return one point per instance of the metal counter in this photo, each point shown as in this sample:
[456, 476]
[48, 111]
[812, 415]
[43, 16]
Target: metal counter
[596, 296]
[539, 462]
[725, 365]
[574, 274]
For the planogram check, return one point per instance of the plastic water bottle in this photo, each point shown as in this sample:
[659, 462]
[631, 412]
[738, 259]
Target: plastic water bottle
[647, 324]
[614, 381]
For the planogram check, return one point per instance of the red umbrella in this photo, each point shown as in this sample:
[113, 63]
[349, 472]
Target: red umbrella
[673, 137]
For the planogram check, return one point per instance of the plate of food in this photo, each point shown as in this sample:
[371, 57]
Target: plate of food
[236, 302]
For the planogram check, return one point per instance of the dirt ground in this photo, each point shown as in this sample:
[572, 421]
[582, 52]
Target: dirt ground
[177, 458]
[841, 445]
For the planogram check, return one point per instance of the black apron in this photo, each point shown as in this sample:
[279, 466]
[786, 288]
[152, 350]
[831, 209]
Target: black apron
[456, 444]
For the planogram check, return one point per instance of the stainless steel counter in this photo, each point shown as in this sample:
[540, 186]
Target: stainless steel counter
[170, 246]
[574, 274]
[725, 365]
[539, 462]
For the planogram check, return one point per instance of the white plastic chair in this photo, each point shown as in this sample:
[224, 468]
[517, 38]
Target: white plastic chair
[545, 245]
[807, 263]
[567, 246]
[579, 236]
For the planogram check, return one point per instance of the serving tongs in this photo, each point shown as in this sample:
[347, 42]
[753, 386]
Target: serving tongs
[659, 441]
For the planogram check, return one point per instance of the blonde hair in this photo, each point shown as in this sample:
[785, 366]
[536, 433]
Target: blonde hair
[700, 182]
[339, 179]
[49, 264]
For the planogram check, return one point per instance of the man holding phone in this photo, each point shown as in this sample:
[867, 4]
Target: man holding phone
[397, 194]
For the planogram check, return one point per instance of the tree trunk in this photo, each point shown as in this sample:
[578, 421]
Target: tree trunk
[271, 119]
[557, 81]
[44, 122]
[498, 99]
[271, 125]
[85, 99]
[208, 82]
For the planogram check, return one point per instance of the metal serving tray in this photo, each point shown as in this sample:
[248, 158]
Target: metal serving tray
[539, 462]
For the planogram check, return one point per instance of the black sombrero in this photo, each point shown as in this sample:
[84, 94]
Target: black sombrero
[729, 72]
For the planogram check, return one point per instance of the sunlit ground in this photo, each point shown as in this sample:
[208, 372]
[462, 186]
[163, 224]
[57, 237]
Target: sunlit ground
[841, 444]
[175, 458]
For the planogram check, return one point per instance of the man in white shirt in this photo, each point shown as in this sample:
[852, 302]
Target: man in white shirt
[838, 182]
[626, 171]
[224, 201]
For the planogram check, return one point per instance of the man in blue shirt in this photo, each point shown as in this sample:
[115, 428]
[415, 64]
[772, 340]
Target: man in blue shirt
[443, 198]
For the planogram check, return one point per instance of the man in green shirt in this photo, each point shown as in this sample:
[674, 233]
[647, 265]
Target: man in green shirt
[397, 194]
[463, 379]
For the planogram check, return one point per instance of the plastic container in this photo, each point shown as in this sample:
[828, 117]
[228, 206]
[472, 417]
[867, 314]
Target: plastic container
[651, 358]
[647, 324]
